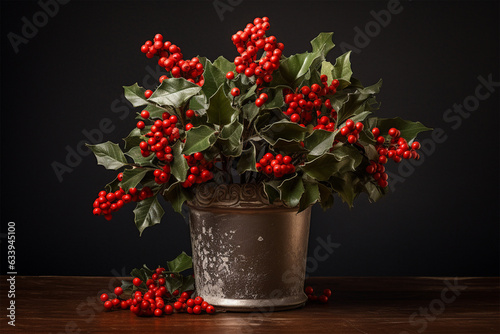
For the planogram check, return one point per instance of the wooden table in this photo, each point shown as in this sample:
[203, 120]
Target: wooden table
[398, 305]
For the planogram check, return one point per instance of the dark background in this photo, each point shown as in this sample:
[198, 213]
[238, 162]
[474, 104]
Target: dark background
[443, 220]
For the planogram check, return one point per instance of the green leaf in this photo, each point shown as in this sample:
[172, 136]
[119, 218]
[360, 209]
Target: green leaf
[177, 195]
[272, 191]
[342, 70]
[179, 166]
[220, 110]
[283, 129]
[288, 146]
[291, 191]
[180, 263]
[355, 104]
[148, 212]
[113, 185]
[136, 155]
[250, 111]
[323, 43]
[187, 284]
[295, 68]
[310, 196]
[319, 142]
[174, 92]
[247, 160]
[214, 78]
[326, 196]
[156, 112]
[199, 139]
[275, 100]
[230, 139]
[224, 65]
[136, 272]
[409, 130]
[340, 161]
[135, 95]
[373, 89]
[374, 191]
[109, 155]
[133, 138]
[132, 177]
[173, 283]
[345, 187]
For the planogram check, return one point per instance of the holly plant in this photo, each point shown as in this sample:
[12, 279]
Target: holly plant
[299, 126]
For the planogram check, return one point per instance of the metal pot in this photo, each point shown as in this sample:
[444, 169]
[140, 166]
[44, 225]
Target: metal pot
[247, 254]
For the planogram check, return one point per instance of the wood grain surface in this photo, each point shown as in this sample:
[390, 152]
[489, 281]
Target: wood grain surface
[398, 305]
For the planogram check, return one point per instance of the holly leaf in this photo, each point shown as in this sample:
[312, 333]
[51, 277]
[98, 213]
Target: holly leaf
[174, 92]
[220, 110]
[148, 212]
[326, 196]
[247, 160]
[135, 95]
[323, 43]
[109, 155]
[199, 139]
[214, 78]
[224, 65]
[319, 142]
[187, 284]
[156, 112]
[310, 196]
[345, 187]
[132, 177]
[136, 155]
[272, 191]
[340, 161]
[250, 111]
[342, 70]
[283, 129]
[409, 130]
[133, 138]
[173, 283]
[180, 263]
[275, 101]
[177, 195]
[113, 185]
[291, 190]
[179, 166]
[288, 146]
[230, 139]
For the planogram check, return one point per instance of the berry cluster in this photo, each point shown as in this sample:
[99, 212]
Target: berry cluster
[161, 136]
[155, 301]
[323, 298]
[248, 43]
[107, 203]
[279, 165]
[397, 149]
[199, 170]
[300, 106]
[170, 58]
[351, 130]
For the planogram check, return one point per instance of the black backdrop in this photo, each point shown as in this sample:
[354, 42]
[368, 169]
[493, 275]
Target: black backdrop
[442, 217]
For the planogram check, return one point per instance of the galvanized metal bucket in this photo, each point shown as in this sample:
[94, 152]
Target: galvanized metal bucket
[247, 255]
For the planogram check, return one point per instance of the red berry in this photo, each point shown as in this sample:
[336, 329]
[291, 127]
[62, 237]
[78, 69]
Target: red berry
[141, 125]
[235, 91]
[190, 302]
[198, 300]
[352, 139]
[137, 281]
[118, 291]
[259, 102]
[327, 292]
[309, 290]
[210, 309]
[158, 312]
[392, 132]
[177, 305]
[197, 309]
[104, 297]
[108, 305]
[415, 145]
[376, 132]
[323, 299]
[230, 75]
[189, 113]
[148, 93]
[145, 114]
